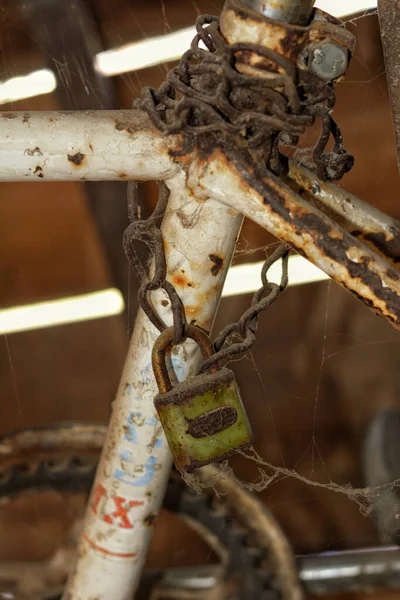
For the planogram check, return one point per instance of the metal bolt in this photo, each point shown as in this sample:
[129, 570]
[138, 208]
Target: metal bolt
[328, 60]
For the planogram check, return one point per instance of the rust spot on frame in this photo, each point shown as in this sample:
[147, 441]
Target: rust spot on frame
[187, 221]
[339, 248]
[76, 159]
[393, 274]
[179, 280]
[38, 172]
[150, 519]
[125, 126]
[35, 152]
[122, 175]
[388, 247]
[192, 311]
[182, 148]
[218, 264]
[328, 241]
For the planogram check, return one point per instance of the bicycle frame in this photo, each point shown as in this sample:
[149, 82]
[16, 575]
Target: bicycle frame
[209, 195]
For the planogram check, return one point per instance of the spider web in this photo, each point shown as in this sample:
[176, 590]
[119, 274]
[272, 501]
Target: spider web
[338, 336]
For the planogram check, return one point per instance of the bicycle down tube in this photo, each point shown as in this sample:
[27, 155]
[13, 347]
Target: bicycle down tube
[208, 194]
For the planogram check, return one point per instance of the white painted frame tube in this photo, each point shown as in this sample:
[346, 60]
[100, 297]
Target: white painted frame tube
[83, 145]
[135, 465]
[272, 204]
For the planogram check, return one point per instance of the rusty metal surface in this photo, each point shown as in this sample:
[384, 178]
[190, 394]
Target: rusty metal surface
[204, 400]
[292, 11]
[238, 182]
[149, 233]
[239, 22]
[254, 95]
[367, 223]
[164, 344]
[203, 417]
[213, 422]
[238, 337]
[389, 20]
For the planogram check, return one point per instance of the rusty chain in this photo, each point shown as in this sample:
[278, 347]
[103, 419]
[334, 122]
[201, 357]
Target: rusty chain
[207, 99]
[149, 232]
[245, 329]
[221, 106]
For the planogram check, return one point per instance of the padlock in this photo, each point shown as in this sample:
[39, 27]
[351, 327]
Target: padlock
[203, 417]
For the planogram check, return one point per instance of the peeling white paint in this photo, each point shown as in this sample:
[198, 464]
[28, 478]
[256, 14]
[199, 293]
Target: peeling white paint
[136, 462]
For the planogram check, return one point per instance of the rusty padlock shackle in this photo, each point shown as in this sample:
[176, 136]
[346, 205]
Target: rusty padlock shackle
[166, 341]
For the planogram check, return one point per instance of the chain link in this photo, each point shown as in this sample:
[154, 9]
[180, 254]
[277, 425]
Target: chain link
[148, 231]
[245, 329]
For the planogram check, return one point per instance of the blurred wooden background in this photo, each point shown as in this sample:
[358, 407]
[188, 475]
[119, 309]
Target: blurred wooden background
[323, 364]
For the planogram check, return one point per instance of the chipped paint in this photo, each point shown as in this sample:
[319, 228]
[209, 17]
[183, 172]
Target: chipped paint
[150, 519]
[218, 263]
[275, 206]
[35, 152]
[38, 172]
[240, 23]
[76, 159]
[378, 230]
[179, 279]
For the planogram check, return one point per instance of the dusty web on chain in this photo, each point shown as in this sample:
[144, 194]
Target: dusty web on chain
[368, 499]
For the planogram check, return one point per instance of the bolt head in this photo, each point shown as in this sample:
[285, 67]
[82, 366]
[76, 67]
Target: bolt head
[328, 60]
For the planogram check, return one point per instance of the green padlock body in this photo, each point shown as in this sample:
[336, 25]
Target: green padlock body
[204, 419]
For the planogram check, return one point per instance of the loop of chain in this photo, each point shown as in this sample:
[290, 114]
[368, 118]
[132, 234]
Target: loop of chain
[148, 231]
[245, 329]
[231, 107]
